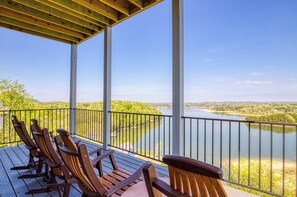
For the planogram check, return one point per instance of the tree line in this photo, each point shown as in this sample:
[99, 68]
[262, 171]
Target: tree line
[15, 100]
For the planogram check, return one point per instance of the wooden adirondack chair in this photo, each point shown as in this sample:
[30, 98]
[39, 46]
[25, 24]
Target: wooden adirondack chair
[54, 165]
[78, 162]
[34, 152]
[188, 177]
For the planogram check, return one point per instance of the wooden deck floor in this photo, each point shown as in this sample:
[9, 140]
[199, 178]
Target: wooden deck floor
[11, 156]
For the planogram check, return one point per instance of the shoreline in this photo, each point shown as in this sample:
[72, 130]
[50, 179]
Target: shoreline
[276, 164]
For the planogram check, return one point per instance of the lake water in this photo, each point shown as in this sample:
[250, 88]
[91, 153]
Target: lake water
[218, 141]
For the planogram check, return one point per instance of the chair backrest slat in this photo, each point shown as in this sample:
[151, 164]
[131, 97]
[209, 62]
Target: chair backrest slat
[179, 183]
[72, 163]
[194, 178]
[44, 142]
[219, 187]
[201, 185]
[211, 190]
[20, 128]
[78, 162]
[172, 177]
[185, 181]
[193, 184]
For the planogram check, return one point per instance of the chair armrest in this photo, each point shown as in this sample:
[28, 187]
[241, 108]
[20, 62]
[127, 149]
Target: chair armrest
[102, 156]
[77, 142]
[98, 151]
[166, 189]
[52, 134]
[127, 181]
[30, 147]
[51, 164]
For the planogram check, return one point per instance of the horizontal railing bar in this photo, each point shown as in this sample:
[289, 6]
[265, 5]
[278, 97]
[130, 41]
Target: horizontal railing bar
[140, 113]
[98, 110]
[38, 109]
[242, 121]
[142, 155]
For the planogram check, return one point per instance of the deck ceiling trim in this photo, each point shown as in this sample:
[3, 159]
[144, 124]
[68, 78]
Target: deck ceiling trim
[68, 21]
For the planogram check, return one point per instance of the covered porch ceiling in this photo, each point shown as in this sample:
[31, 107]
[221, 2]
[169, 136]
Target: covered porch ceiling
[68, 21]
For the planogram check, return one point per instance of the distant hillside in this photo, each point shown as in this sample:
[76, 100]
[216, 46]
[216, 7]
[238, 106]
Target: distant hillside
[236, 106]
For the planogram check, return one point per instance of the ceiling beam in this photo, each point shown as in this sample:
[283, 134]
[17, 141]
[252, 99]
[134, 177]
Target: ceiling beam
[49, 9]
[31, 20]
[119, 5]
[138, 3]
[70, 12]
[34, 28]
[43, 16]
[99, 7]
[149, 3]
[33, 33]
[145, 4]
[82, 10]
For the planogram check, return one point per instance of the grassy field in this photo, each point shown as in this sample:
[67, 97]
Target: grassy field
[264, 182]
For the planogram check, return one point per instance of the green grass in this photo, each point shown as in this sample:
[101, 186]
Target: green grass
[277, 179]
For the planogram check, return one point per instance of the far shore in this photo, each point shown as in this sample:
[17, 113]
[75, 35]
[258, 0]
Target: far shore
[213, 111]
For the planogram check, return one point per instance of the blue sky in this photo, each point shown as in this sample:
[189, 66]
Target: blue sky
[234, 51]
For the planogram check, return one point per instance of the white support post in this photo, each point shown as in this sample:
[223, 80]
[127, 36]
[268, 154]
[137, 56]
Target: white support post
[107, 87]
[73, 80]
[177, 77]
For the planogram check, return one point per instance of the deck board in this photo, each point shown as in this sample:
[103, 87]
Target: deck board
[19, 158]
[18, 155]
[19, 185]
[5, 184]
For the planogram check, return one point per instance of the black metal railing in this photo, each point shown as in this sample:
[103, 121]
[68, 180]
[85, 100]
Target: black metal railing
[148, 135]
[257, 155]
[49, 118]
[89, 124]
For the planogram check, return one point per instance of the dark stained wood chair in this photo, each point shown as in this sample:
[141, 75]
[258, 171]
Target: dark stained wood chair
[54, 165]
[188, 177]
[34, 152]
[81, 166]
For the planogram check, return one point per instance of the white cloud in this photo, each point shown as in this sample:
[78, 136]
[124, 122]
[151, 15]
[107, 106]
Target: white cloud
[254, 82]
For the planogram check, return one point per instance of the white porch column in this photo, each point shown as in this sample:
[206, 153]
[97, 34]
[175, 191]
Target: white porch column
[178, 76]
[73, 80]
[107, 87]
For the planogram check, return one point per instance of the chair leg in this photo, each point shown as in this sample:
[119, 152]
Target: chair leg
[29, 176]
[41, 190]
[22, 167]
[99, 167]
[66, 190]
[30, 165]
[49, 176]
[49, 188]
[39, 165]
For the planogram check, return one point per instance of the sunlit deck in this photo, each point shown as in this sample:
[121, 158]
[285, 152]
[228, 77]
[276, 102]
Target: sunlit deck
[17, 155]
[11, 156]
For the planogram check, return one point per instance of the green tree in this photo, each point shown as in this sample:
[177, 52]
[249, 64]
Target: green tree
[14, 96]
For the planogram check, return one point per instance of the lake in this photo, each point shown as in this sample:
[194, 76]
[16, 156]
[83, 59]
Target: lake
[156, 141]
